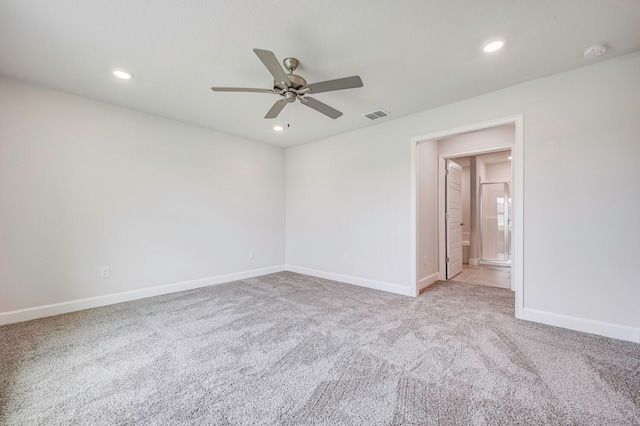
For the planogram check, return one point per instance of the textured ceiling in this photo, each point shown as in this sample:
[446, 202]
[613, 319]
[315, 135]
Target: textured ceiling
[411, 55]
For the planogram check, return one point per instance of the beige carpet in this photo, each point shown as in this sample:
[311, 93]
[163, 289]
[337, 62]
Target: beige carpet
[290, 349]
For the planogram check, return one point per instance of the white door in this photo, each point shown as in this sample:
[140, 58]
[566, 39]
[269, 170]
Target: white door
[453, 218]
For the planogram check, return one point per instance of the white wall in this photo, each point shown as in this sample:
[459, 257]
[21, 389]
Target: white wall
[427, 217]
[497, 172]
[581, 151]
[339, 200]
[85, 184]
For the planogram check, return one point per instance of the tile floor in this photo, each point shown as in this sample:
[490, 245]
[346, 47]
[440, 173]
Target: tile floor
[489, 275]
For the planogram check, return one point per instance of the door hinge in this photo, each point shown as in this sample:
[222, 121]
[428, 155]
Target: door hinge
[446, 259]
[446, 215]
[446, 172]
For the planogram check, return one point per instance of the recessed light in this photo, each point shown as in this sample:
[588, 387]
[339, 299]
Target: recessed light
[277, 128]
[122, 74]
[493, 45]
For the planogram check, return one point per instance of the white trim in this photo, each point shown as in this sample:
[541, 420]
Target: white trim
[27, 314]
[428, 280]
[474, 262]
[517, 194]
[517, 152]
[413, 216]
[607, 329]
[362, 282]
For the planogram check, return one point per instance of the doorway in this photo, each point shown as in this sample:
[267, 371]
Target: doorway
[478, 208]
[429, 260]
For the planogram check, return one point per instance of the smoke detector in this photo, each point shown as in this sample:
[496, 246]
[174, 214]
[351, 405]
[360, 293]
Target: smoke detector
[594, 51]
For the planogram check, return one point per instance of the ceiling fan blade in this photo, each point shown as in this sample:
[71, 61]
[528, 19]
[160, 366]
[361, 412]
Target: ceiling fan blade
[331, 85]
[241, 89]
[276, 108]
[320, 107]
[269, 60]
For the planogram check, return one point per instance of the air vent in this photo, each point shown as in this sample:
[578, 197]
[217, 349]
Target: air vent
[380, 113]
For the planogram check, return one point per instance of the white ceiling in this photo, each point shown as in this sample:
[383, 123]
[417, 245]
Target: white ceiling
[411, 55]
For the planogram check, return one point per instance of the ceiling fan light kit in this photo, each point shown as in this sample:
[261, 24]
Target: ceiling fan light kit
[291, 86]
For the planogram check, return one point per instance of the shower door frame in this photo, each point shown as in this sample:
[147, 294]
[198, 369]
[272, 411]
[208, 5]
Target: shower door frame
[507, 225]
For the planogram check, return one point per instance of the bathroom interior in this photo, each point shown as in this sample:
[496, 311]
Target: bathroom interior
[486, 219]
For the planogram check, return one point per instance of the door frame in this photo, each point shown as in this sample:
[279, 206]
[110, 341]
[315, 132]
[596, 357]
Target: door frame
[517, 180]
[442, 167]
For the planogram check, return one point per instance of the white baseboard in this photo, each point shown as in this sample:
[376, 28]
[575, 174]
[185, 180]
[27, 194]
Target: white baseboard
[616, 331]
[362, 282]
[474, 262]
[127, 296]
[427, 281]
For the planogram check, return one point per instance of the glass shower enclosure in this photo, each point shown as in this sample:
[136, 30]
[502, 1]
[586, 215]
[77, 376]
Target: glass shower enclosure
[495, 222]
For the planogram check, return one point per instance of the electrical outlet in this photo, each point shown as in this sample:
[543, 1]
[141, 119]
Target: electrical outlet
[104, 272]
[251, 254]
[346, 257]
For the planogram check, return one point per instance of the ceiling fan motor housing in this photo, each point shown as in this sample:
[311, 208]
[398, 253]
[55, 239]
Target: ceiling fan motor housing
[296, 83]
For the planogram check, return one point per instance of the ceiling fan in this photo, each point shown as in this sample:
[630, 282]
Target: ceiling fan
[291, 86]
